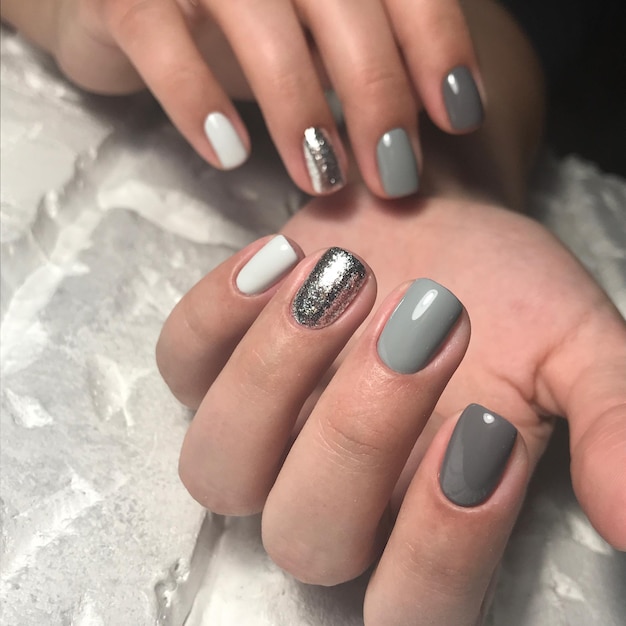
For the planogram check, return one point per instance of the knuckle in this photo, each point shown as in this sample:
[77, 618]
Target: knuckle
[378, 81]
[291, 556]
[262, 370]
[353, 440]
[126, 16]
[303, 561]
[288, 81]
[219, 500]
[448, 577]
[198, 318]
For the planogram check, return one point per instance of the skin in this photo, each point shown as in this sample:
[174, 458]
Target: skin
[545, 339]
[546, 342]
[552, 345]
[197, 55]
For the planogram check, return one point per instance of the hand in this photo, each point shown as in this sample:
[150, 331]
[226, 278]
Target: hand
[386, 59]
[325, 518]
[546, 341]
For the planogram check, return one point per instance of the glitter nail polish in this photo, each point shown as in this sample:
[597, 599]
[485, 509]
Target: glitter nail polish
[321, 161]
[331, 286]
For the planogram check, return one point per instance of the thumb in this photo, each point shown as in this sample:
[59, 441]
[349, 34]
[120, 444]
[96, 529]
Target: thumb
[586, 376]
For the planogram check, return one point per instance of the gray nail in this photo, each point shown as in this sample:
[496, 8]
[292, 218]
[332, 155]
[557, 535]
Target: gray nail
[477, 454]
[397, 164]
[331, 286]
[418, 326]
[321, 161]
[462, 99]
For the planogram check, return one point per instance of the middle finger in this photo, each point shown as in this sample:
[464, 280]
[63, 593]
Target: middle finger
[322, 520]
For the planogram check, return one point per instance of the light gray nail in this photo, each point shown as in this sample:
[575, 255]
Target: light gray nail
[321, 161]
[477, 454]
[418, 326]
[397, 164]
[331, 286]
[462, 99]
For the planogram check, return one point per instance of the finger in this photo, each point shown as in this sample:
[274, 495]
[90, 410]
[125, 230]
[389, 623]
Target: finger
[453, 525]
[322, 520]
[270, 45]
[232, 451]
[209, 321]
[155, 37]
[374, 89]
[438, 50]
[585, 375]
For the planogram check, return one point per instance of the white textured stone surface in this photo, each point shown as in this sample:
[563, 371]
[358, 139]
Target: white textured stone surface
[107, 218]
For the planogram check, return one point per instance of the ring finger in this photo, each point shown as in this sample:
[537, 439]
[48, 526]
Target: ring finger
[363, 62]
[234, 446]
[271, 47]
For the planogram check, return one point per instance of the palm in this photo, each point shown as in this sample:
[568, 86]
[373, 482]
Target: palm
[539, 322]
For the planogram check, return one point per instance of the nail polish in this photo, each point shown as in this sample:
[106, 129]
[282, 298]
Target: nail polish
[397, 164]
[418, 326]
[267, 266]
[226, 143]
[321, 161]
[477, 454]
[462, 99]
[332, 285]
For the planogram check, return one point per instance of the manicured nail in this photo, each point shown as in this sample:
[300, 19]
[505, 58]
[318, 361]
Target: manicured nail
[397, 164]
[321, 161]
[418, 327]
[268, 265]
[225, 141]
[462, 99]
[477, 454]
[332, 285]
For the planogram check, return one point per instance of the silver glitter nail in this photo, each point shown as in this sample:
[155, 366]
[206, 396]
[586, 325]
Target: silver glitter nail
[321, 161]
[332, 285]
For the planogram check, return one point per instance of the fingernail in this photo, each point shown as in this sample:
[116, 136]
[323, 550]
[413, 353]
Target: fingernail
[331, 286]
[397, 164]
[460, 94]
[228, 147]
[321, 161]
[269, 264]
[477, 454]
[418, 327]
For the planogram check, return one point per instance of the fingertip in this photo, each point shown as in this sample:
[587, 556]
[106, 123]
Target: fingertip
[230, 149]
[484, 455]
[265, 263]
[462, 100]
[325, 159]
[398, 157]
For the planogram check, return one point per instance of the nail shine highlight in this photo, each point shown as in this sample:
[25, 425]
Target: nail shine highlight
[329, 289]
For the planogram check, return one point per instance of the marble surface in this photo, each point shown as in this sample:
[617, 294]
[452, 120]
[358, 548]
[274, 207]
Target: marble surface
[107, 218]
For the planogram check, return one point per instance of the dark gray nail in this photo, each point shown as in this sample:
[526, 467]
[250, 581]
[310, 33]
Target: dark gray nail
[477, 454]
[331, 286]
[462, 99]
[418, 326]
[397, 164]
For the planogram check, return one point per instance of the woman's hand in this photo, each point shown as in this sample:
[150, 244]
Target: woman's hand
[250, 344]
[386, 60]
[546, 341]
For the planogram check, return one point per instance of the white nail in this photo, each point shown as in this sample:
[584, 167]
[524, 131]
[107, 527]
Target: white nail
[225, 141]
[269, 264]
